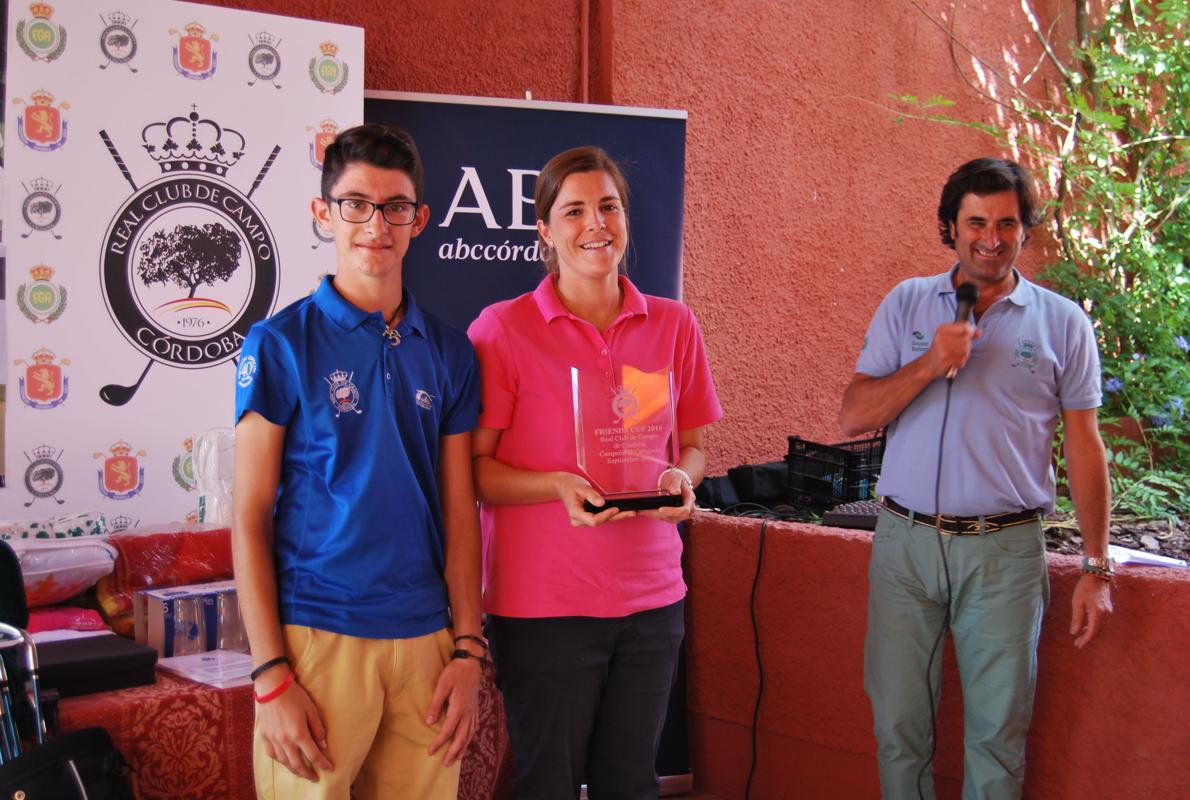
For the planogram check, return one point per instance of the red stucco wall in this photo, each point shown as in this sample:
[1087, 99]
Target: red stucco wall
[805, 202]
[490, 49]
[1108, 720]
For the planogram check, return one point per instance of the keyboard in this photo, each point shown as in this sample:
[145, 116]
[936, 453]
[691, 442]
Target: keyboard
[857, 514]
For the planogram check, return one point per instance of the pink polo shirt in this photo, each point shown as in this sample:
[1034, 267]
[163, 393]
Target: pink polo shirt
[535, 563]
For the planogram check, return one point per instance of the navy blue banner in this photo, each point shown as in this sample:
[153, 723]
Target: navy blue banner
[482, 157]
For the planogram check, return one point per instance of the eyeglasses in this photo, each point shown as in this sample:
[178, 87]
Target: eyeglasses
[358, 210]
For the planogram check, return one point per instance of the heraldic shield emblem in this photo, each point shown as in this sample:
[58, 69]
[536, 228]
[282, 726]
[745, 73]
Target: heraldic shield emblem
[41, 300]
[44, 476]
[117, 42]
[40, 209]
[194, 57]
[327, 130]
[183, 466]
[40, 38]
[188, 262]
[327, 71]
[264, 60]
[122, 477]
[43, 386]
[41, 127]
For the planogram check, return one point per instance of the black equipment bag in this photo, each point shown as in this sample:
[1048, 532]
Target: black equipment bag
[13, 608]
[52, 771]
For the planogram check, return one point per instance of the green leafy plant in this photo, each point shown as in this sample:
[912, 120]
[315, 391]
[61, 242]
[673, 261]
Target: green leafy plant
[1113, 138]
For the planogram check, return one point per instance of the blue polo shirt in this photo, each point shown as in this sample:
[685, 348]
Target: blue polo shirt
[359, 544]
[1037, 355]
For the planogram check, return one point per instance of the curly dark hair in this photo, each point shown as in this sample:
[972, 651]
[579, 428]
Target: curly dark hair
[987, 176]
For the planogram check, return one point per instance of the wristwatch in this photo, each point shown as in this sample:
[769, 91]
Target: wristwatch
[1099, 566]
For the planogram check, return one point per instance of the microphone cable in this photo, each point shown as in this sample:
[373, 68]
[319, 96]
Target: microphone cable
[766, 515]
[759, 664]
[935, 652]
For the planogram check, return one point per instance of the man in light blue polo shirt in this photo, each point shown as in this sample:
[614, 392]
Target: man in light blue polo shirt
[978, 449]
[356, 537]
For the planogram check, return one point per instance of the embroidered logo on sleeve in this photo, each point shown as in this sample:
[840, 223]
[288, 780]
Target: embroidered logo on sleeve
[424, 399]
[1025, 354]
[344, 396]
[246, 372]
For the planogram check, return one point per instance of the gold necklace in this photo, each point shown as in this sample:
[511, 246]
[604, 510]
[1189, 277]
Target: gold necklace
[390, 327]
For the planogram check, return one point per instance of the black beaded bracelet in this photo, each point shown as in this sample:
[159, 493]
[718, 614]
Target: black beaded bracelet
[272, 662]
[470, 638]
[461, 653]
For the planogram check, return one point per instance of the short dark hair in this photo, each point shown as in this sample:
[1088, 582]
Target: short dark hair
[579, 159]
[377, 144]
[984, 176]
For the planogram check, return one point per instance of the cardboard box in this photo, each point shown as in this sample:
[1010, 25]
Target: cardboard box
[159, 612]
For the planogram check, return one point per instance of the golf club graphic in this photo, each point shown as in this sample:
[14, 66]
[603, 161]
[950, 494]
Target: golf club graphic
[189, 170]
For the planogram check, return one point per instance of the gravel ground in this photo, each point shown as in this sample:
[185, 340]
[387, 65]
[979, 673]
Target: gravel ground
[1155, 536]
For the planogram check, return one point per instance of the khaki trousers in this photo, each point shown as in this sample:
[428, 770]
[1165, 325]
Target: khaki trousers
[372, 695]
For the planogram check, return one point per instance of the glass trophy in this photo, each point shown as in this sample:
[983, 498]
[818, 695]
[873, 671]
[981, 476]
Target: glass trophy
[625, 435]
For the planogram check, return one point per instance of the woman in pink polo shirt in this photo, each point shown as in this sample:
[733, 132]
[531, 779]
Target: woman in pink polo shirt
[585, 609]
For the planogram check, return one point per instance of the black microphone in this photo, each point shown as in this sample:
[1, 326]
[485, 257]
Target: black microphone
[967, 296]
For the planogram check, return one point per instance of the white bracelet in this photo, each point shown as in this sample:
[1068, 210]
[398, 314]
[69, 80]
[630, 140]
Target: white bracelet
[685, 477]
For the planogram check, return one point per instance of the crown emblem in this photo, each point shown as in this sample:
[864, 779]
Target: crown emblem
[339, 376]
[120, 448]
[192, 143]
[119, 18]
[44, 356]
[42, 272]
[265, 38]
[41, 185]
[329, 49]
[329, 126]
[42, 10]
[42, 98]
[195, 29]
[44, 451]
[122, 522]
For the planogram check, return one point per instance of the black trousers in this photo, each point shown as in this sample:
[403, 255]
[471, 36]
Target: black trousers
[585, 699]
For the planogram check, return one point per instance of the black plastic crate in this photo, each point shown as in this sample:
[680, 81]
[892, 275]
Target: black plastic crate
[824, 475]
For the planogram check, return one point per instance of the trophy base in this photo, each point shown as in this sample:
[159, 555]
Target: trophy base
[635, 501]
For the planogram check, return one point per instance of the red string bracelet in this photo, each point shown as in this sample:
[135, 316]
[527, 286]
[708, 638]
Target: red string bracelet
[273, 695]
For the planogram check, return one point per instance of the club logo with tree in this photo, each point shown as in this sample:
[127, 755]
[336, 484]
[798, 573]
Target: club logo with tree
[188, 262]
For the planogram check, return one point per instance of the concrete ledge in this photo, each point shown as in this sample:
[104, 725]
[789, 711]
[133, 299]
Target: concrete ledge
[1108, 722]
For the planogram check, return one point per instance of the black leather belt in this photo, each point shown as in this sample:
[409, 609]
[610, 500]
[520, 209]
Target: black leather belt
[963, 526]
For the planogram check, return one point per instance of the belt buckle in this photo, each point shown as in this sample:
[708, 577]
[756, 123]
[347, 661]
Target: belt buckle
[960, 526]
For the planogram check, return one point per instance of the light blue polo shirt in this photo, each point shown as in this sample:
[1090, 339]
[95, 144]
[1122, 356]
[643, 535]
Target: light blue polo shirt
[359, 544]
[1036, 356]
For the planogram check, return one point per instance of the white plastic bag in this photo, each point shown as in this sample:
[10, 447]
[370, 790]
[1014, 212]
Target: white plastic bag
[214, 470]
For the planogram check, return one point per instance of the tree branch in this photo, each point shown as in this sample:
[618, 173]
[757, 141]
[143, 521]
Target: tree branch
[954, 41]
[1045, 44]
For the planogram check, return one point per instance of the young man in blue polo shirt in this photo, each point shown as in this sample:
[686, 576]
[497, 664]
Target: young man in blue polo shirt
[356, 539]
[1029, 358]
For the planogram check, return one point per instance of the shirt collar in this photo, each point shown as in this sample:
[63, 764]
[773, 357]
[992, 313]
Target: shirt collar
[550, 305]
[349, 317]
[1021, 295]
